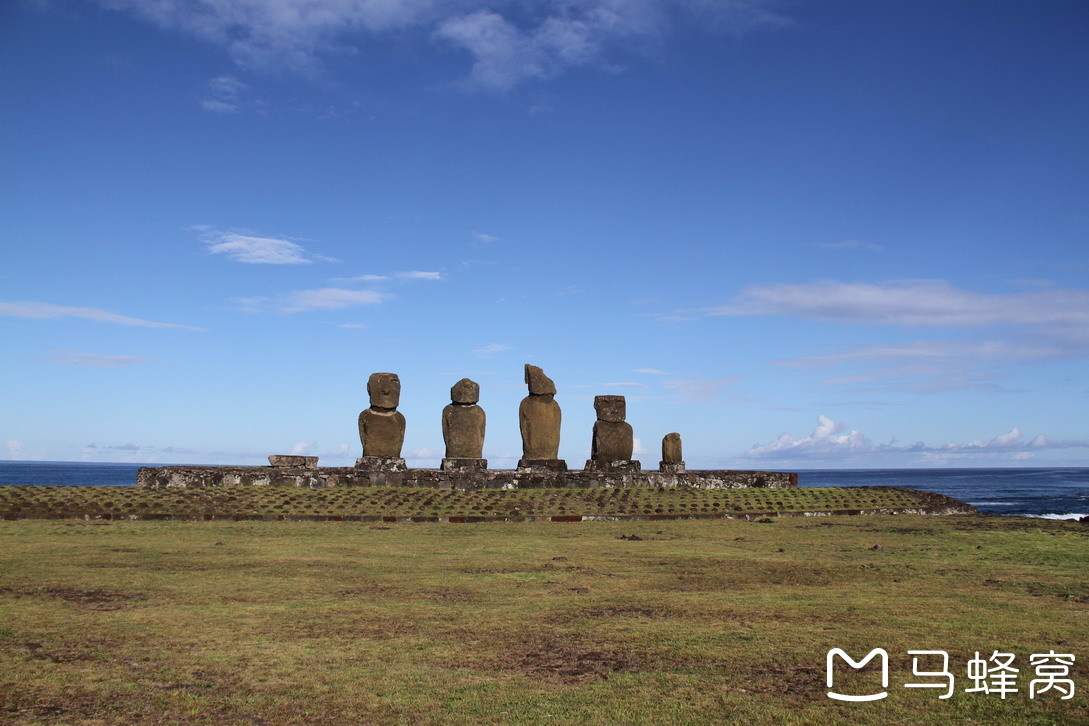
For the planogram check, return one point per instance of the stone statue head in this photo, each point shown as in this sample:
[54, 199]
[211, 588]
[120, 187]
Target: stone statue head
[465, 391]
[610, 408]
[539, 383]
[384, 390]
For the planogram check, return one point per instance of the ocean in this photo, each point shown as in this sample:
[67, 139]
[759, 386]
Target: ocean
[1054, 493]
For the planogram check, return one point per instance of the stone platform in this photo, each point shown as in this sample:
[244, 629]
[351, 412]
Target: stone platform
[163, 477]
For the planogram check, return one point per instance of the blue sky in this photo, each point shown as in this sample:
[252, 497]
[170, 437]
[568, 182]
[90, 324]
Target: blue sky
[803, 234]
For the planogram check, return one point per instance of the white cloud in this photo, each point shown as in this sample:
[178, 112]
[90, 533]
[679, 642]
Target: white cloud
[96, 360]
[370, 278]
[15, 449]
[302, 448]
[831, 440]
[491, 349]
[485, 238]
[49, 311]
[637, 448]
[910, 302]
[624, 384]
[828, 440]
[256, 250]
[651, 371]
[329, 298]
[509, 42]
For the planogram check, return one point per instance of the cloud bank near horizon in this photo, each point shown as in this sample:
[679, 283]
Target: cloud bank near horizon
[834, 441]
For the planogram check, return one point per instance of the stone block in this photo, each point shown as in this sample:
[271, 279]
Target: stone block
[384, 390]
[465, 391]
[539, 383]
[671, 467]
[290, 460]
[381, 463]
[457, 465]
[620, 465]
[671, 448]
[539, 421]
[382, 433]
[542, 465]
[613, 441]
[463, 431]
[610, 408]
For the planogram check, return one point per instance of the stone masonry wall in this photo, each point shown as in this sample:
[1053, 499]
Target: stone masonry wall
[319, 478]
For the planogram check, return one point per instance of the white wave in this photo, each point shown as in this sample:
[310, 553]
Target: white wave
[1072, 515]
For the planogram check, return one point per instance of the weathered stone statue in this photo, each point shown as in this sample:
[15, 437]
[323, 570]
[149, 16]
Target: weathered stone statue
[539, 421]
[382, 426]
[463, 424]
[613, 441]
[672, 462]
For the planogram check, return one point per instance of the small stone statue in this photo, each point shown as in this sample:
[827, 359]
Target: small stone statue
[539, 420]
[672, 461]
[613, 442]
[382, 426]
[463, 423]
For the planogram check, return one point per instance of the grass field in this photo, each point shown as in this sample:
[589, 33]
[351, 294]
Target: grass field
[688, 622]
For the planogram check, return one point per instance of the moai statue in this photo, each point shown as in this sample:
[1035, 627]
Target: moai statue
[463, 428]
[539, 421]
[672, 462]
[612, 443]
[382, 426]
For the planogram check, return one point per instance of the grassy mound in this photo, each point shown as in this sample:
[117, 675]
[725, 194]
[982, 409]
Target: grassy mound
[26, 502]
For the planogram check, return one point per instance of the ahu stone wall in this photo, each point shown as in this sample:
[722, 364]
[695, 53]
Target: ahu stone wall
[163, 477]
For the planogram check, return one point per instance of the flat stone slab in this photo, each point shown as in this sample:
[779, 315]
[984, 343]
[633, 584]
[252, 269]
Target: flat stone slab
[464, 465]
[544, 465]
[619, 465]
[291, 460]
[381, 463]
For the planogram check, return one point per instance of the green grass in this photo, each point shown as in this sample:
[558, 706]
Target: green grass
[265, 501]
[695, 622]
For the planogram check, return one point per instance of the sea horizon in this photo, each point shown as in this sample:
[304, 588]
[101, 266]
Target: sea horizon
[1052, 492]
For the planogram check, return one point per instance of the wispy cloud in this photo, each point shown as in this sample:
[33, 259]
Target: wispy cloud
[508, 43]
[224, 94]
[651, 371]
[405, 275]
[851, 245]
[485, 238]
[923, 366]
[95, 360]
[835, 441]
[329, 298]
[909, 302]
[256, 250]
[1022, 327]
[624, 384]
[491, 349]
[700, 390]
[420, 275]
[49, 311]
